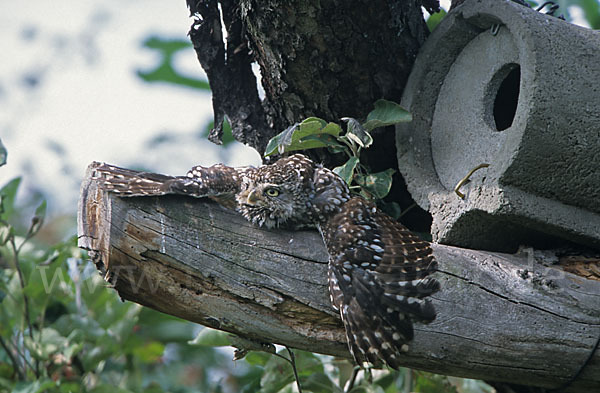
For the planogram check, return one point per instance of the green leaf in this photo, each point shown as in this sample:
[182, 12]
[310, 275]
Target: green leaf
[7, 197]
[72, 350]
[314, 122]
[332, 129]
[357, 133]
[153, 387]
[433, 383]
[319, 383]
[3, 154]
[89, 329]
[108, 388]
[386, 113]
[38, 386]
[149, 352]
[303, 136]
[435, 19]
[325, 139]
[164, 328]
[278, 142]
[5, 233]
[591, 11]
[308, 363]
[278, 373]
[211, 338]
[72, 387]
[258, 358]
[45, 343]
[378, 184]
[40, 211]
[346, 171]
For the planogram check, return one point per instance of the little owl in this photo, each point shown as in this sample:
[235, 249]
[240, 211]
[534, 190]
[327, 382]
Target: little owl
[378, 270]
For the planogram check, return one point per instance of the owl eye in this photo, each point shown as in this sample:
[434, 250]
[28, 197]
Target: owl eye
[272, 192]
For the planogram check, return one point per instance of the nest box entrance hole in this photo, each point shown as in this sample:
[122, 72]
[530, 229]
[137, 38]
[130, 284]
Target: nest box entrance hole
[507, 96]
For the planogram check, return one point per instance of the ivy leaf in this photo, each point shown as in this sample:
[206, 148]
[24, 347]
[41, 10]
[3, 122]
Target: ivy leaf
[303, 136]
[386, 113]
[346, 171]
[377, 184]
[357, 132]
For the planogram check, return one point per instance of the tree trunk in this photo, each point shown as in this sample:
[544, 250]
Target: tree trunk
[329, 59]
[500, 317]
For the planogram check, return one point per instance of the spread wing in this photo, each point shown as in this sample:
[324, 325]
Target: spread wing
[218, 182]
[379, 281]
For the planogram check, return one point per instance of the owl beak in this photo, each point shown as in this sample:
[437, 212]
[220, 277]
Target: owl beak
[252, 198]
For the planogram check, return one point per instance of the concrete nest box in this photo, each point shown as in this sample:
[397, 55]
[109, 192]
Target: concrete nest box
[498, 83]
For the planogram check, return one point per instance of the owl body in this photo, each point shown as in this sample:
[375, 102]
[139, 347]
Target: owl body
[378, 272]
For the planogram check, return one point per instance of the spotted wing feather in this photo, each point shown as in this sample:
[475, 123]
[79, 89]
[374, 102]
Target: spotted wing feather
[218, 182]
[379, 280]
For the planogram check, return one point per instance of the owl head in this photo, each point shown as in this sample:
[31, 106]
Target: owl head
[278, 194]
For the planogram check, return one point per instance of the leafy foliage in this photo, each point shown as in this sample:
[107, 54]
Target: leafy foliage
[315, 133]
[62, 330]
[309, 134]
[326, 374]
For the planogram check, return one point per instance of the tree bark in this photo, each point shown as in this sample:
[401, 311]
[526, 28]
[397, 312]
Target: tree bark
[500, 317]
[320, 58]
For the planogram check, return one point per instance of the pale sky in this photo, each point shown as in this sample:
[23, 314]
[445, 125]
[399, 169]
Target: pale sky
[69, 94]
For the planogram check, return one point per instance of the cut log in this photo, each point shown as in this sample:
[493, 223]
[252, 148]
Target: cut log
[500, 317]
